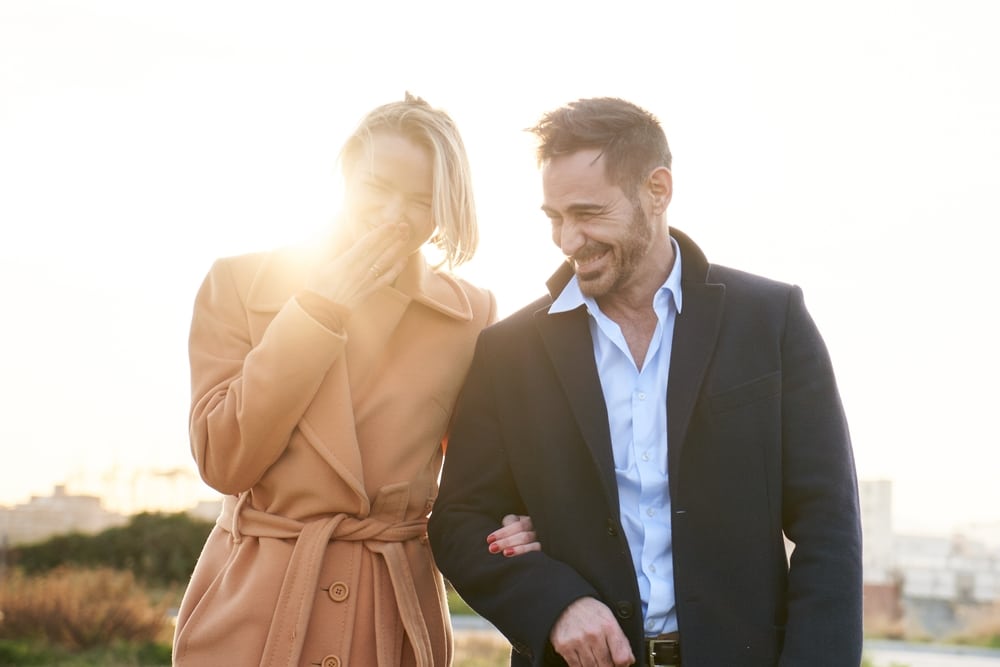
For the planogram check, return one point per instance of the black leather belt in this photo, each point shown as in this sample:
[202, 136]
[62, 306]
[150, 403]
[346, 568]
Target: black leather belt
[663, 651]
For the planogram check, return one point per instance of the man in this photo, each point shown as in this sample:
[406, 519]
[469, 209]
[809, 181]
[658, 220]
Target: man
[665, 422]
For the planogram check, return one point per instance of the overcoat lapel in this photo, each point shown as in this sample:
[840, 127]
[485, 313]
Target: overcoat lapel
[567, 340]
[696, 330]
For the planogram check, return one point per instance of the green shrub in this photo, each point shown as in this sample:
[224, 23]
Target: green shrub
[159, 549]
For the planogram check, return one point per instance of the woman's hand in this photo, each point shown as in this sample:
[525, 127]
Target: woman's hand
[366, 265]
[515, 538]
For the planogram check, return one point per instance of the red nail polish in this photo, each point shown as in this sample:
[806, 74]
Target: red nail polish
[508, 552]
[490, 539]
[494, 548]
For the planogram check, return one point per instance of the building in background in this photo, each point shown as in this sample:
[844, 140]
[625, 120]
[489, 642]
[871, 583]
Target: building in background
[924, 585]
[45, 516]
[883, 604]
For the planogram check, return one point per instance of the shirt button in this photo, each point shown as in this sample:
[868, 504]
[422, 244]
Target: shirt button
[642, 396]
[650, 625]
[645, 456]
[331, 661]
[652, 568]
[650, 511]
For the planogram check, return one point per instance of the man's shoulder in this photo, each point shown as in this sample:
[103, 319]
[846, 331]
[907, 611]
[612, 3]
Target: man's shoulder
[527, 313]
[521, 318]
[739, 281]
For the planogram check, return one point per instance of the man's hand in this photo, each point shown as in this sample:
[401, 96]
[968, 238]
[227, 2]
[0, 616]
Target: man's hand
[586, 634]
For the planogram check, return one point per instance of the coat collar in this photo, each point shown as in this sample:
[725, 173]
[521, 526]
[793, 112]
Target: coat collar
[283, 273]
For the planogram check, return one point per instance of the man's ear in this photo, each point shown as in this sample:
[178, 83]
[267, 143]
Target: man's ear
[661, 188]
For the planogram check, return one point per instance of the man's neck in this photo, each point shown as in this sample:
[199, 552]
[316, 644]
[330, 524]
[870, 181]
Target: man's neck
[631, 305]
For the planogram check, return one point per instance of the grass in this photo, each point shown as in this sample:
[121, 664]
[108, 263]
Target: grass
[24, 653]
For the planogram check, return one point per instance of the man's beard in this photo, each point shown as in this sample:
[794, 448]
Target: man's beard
[625, 258]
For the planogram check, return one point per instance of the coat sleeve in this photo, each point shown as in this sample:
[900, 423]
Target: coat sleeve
[247, 398]
[521, 596]
[820, 504]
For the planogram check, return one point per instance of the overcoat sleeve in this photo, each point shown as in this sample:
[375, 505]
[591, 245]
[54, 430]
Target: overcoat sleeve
[248, 395]
[522, 596]
[820, 504]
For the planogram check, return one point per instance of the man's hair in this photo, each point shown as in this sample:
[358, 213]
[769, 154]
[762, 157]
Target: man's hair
[452, 204]
[630, 138]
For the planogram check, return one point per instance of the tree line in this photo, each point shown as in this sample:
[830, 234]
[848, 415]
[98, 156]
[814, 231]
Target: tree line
[159, 549]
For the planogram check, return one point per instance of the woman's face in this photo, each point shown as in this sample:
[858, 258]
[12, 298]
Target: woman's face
[391, 181]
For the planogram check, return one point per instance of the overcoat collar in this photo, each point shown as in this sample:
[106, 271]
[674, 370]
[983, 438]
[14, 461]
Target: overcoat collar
[283, 273]
[568, 342]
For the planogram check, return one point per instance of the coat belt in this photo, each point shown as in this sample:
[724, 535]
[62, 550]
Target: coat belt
[295, 600]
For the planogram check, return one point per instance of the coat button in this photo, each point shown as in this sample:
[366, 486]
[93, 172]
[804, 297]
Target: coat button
[612, 528]
[331, 661]
[338, 593]
[623, 609]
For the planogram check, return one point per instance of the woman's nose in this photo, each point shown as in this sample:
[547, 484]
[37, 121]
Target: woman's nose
[392, 209]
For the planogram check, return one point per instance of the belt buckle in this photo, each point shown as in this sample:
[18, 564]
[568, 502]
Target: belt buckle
[667, 649]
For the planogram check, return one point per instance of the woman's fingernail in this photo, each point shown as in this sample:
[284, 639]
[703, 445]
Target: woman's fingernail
[508, 552]
[490, 539]
[494, 548]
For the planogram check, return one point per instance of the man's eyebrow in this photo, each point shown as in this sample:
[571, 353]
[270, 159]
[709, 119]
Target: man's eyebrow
[578, 208]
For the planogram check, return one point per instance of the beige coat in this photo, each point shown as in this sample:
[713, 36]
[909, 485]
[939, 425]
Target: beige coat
[328, 446]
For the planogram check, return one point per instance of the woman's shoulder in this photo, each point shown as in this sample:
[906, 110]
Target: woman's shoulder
[287, 261]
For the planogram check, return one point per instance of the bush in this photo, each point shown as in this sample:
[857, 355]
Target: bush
[159, 549]
[78, 609]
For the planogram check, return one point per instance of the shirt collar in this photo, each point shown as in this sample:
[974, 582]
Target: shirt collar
[571, 297]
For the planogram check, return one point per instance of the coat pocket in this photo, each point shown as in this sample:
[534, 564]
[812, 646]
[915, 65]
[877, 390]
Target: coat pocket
[757, 389]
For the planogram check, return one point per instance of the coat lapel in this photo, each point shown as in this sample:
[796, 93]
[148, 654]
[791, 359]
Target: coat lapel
[566, 337]
[374, 322]
[695, 332]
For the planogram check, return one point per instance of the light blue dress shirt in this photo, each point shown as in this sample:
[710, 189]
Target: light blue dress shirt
[637, 415]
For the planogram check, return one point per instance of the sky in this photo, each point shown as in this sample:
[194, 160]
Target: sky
[852, 148]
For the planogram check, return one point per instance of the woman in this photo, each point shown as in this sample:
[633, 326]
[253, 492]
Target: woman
[323, 383]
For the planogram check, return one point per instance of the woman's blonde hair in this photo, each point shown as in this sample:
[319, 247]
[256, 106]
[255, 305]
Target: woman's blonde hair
[452, 205]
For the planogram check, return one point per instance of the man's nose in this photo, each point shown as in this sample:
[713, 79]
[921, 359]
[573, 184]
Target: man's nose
[570, 238]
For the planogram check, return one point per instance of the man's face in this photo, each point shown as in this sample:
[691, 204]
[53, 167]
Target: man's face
[604, 234]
